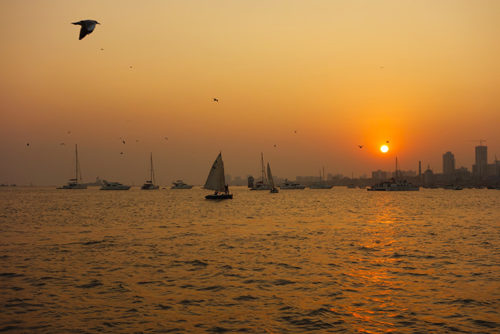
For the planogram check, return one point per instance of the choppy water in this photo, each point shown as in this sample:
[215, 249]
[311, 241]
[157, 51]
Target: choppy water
[340, 260]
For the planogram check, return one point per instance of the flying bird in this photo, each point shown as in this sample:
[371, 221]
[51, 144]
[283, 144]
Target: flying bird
[294, 131]
[216, 99]
[28, 144]
[69, 132]
[166, 138]
[121, 153]
[123, 141]
[62, 144]
[387, 142]
[87, 26]
[360, 146]
[274, 145]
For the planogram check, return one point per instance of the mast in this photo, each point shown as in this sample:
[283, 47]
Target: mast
[263, 170]
[152, 171]
[78, 176]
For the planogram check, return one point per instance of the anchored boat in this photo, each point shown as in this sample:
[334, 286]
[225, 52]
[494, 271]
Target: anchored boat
[151, 183]
[75, 183]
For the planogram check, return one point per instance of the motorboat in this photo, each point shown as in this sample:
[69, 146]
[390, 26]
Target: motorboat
[114, 186]
[394, 185]
[179, 184]
[287, 185]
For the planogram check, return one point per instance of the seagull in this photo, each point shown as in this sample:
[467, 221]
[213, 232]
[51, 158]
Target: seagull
[360, 146]
[87, 27]
[216, 99]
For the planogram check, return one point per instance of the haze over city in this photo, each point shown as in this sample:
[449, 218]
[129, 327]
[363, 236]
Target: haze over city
[304, 82]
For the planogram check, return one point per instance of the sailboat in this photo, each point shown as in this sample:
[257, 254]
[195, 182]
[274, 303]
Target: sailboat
[263, 184]
[273, 190]
[75, 183]
[321, 184]
[150, 184]
[216, 181]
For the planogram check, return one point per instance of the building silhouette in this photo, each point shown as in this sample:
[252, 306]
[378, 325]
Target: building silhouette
[479, 169]
[448, 165]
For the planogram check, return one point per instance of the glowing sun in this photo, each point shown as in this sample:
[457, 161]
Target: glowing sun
[384, 148]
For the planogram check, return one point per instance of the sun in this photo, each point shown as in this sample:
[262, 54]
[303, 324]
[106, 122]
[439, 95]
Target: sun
[384, 148]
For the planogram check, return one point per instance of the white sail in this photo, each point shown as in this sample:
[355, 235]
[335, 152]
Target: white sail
[216, 180]
[270, 176]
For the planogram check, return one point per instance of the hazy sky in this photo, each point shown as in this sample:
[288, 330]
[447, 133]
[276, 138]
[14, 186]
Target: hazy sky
[424, 75]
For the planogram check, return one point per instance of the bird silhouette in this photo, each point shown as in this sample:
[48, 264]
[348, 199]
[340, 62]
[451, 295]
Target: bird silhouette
[69, 132]
[123, 141]
[360, 146]
[216, 99]
[294, 131]
[121, 153]
[28, 144]
[387, 141]
[62, 144]
[274, 145]
[87, 26]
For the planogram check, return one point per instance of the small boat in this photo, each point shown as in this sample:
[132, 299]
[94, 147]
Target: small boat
[75, 183]
[273, 190]
[394, 185]
[113, 186]
[291, 185]
[321, 184]
[263, 184]
[216, 181]
[151, 183]
[179, 184]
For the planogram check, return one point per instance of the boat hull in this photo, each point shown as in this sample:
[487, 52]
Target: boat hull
[219, 197]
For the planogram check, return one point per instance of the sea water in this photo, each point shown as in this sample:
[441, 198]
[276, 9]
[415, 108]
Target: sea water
[169, 261]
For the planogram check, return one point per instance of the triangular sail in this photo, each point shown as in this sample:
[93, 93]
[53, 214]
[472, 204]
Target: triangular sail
[270, 176]
[216, 180]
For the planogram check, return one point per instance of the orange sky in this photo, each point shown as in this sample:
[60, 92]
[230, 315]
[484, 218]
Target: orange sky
[423, 74]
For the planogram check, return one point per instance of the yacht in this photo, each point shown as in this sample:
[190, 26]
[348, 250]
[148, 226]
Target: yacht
[394, 185]
[291, 185]
[114, 186]
[75, 183]
[179, 184]
[263, 184]
[322, 182]
[150, 184]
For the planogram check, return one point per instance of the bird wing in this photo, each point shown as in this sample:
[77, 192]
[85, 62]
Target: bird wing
[90, 26]
[83, 32]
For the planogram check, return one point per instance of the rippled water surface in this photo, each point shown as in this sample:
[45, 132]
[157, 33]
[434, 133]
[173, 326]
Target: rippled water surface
[339, 260]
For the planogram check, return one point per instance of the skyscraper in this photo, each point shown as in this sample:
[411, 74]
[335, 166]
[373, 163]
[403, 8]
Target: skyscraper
[479, 169]
[448, 164]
